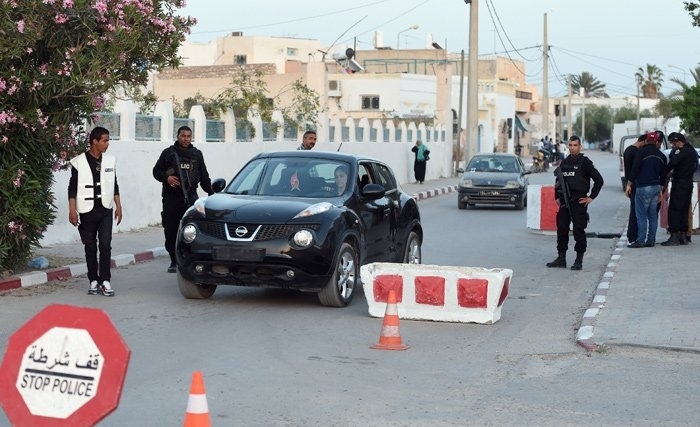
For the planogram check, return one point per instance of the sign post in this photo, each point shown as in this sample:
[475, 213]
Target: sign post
[65, 366]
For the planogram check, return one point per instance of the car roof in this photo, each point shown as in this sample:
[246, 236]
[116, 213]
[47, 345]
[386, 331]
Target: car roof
[495, 155]
[330, 155]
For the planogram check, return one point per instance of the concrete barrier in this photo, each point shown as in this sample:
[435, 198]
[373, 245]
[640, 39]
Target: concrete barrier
[435, 292]
[542, 209]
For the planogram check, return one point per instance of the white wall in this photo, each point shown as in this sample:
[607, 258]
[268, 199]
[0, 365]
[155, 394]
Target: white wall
[140, 192]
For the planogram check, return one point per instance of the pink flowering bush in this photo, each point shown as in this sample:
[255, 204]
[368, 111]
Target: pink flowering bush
[58, 60]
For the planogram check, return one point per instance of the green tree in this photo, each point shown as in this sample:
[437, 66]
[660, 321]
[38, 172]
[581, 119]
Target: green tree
[591, 85]
[58, 60]
[688, 109]
[248, 92]
[600, 119]
[693, 9]
[649, 79]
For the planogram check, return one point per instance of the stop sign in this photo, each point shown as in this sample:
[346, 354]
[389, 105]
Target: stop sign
[65, 366]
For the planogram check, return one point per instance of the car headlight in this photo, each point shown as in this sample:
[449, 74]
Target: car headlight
[466, 183]
[513, 184]
[189, 233]
[314, 209]
[199, 205]
[303, 238]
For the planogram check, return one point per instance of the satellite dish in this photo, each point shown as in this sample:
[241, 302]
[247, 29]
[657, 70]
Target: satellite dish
[349, 53]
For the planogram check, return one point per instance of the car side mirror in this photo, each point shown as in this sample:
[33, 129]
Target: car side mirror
[218, 185]
[460, 170]
[373, 191]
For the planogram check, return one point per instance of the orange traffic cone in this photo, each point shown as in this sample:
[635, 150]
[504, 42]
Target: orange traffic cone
[390, 338]
[197, 409]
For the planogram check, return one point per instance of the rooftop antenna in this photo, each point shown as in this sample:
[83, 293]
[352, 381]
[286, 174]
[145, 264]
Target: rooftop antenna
[323, 59]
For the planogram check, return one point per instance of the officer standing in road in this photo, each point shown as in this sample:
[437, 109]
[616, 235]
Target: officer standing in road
[681, 165]
[628, 160]
[308, 141]
[577, 172]
[181, 169]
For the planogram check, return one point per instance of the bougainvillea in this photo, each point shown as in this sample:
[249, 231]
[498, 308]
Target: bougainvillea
[59, 59]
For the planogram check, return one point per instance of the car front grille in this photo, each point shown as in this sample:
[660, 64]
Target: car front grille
[265, 232]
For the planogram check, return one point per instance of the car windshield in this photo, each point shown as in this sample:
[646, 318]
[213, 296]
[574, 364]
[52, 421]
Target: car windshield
[492, 164]
[293, 177]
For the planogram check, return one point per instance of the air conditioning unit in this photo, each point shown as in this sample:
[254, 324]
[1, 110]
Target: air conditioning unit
[334, 88]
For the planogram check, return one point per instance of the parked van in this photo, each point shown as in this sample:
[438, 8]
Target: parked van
[628, 140]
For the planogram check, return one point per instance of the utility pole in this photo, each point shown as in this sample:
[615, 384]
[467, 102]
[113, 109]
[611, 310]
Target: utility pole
[568, 109]
[459, 115]
[545, 82]
[473, 83]
[583, 115]
[639, 131]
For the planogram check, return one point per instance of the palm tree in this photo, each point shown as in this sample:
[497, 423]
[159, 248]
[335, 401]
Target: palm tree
[678, 93]
[591, 85]
[649, 80]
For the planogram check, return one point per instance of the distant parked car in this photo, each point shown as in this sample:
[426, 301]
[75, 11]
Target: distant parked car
[493, 179]
[304, 220]
[605, 145]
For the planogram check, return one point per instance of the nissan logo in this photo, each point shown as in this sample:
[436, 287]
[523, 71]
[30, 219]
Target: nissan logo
[241, 231]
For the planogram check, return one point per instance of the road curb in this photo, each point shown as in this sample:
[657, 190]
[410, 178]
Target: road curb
[75, 270]
[585, 333]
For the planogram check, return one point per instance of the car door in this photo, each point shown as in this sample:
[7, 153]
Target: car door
[377, 217]
[392, 198]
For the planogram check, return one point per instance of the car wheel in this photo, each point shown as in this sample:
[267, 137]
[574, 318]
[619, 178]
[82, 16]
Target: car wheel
[461, 204]
[193, 290]
[412, 252]
[341, 286]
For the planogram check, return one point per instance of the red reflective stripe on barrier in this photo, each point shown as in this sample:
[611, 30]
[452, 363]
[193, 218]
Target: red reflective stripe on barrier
[548, 209]
[430, 290]
[504, 292]
[386, 282]
[472, 293]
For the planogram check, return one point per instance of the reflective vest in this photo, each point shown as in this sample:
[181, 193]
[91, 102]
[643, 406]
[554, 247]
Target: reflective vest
[85, 198]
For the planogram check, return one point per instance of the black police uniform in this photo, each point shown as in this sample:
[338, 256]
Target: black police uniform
[683, 164]
[191, 171]
[577, 171]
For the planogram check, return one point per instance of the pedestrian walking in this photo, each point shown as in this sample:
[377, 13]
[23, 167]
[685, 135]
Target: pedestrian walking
[682, 164]
[422, 155]
[308, 141]
[572, 185]
[93, 196]
[181, 169]
[628, 159]
[648, 179]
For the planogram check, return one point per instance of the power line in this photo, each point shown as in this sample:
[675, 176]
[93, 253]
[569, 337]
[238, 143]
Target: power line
[495, 12]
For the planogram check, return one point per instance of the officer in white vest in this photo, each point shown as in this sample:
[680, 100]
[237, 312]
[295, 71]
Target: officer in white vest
[93, 194]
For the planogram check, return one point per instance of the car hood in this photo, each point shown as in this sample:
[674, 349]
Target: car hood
[235, 208]
[491, 178]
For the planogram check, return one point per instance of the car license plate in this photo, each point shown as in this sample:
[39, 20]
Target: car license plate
[489, 193]
[229, 253]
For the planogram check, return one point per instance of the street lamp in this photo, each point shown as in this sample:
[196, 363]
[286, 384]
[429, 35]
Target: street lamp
[398, 36]
[678, 68]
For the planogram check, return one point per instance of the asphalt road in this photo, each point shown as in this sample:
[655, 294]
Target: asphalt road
[276, 358]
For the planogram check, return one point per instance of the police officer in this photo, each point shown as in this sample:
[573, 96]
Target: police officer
[181, 169]
[577, 171]
[682, 164]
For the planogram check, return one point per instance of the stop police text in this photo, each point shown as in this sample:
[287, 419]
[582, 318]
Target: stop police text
[60, 385]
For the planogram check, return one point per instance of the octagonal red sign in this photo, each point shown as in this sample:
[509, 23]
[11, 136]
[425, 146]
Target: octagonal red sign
[65, 366]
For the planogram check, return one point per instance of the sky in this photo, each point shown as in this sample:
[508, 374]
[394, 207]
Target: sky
[609, 38]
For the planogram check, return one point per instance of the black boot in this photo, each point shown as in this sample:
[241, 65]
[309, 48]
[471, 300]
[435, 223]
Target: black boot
[578, 263]
[674, 240]
[173, 265]
[559, 262]
[682, 238]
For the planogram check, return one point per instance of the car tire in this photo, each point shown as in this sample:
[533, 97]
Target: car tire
[461, 204]
[412, 251]
[345, 278]
[520, 205]
[191, 290]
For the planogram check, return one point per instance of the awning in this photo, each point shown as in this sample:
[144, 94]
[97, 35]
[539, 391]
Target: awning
[519, 124]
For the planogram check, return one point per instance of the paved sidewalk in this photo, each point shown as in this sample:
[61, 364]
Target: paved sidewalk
[646, 297]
